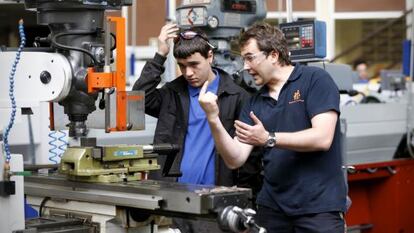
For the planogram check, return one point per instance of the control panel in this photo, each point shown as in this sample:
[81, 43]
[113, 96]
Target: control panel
[306, 39]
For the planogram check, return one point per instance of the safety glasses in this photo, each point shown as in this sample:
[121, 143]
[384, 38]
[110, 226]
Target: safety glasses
[250, 58]
[189, 35]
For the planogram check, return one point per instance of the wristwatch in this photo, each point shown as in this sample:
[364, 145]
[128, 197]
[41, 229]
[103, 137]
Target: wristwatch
[271, 140]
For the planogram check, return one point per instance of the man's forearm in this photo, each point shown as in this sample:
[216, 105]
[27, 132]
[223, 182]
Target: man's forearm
[317, 138]
[233, 152]
[303, 141]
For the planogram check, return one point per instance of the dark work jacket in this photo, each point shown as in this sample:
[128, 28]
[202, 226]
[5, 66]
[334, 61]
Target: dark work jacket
[171, 104]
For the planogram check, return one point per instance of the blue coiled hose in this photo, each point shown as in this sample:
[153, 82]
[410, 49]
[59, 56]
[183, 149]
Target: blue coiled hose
[11, 91]
[64, 143]
[58, 144]
[53, 155]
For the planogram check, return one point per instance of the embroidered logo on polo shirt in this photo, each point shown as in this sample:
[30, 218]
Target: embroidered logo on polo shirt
[296, 97]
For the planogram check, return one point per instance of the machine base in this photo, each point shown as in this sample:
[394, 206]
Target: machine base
[382, 197]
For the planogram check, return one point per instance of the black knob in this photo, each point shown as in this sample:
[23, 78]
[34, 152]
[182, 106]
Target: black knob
[45, 77]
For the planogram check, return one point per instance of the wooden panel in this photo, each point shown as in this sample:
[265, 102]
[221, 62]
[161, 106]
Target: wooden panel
[151, 16]
[113, 13]
[369, 5]
[298, 5]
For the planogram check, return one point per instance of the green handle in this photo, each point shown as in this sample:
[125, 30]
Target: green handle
[23, 173]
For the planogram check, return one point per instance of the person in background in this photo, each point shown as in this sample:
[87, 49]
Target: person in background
[361, 67]
[294, 117]
[182, 121]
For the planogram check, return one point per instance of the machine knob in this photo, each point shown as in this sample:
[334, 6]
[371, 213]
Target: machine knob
[45, 77]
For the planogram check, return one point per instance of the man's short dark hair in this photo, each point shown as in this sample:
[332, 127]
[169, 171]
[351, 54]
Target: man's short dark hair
[359, 62]
[269, 39]
[184, 48]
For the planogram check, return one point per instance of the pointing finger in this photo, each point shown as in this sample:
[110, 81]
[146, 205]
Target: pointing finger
[204, 88]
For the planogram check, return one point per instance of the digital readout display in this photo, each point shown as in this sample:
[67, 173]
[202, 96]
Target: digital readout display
[238, 6]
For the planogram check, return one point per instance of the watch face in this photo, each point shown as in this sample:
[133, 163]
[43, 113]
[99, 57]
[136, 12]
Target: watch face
[270, 142]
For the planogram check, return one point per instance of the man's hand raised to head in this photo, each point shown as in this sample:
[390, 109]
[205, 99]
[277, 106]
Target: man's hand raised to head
[208, 102]
[167, 32]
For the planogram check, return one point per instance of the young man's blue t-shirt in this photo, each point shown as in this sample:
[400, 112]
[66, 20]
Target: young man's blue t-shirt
[198, 163]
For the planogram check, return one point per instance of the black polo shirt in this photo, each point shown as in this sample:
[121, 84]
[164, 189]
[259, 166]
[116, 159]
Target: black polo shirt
[300, 182]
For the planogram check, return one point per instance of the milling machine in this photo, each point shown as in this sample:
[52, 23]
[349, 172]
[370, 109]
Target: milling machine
[100, 188]
[222, 22]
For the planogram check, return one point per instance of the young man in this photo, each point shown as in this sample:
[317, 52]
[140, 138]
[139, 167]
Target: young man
[182, 121]
[295, 118]
[180, 117]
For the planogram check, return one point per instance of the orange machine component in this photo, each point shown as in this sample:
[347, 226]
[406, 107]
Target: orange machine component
[99, 80]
